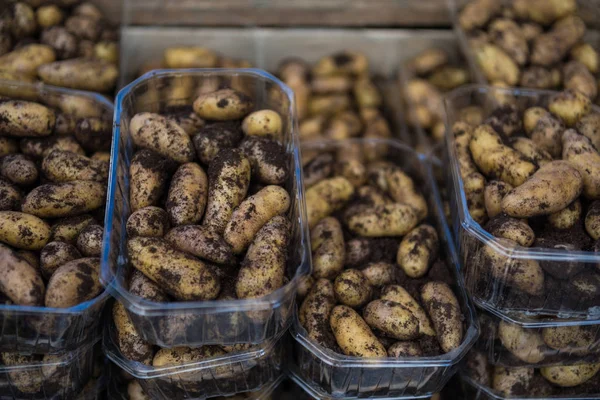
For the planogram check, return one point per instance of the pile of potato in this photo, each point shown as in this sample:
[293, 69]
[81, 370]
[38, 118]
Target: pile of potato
[531, 43]
[430, 74]
[529, 382]
[61, 43]
[53, 176]
[379, 286]
[532, 178]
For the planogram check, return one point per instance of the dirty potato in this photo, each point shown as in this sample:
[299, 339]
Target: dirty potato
[493, 195]
[328, 249]
[398, 294]
[214, 137]
[20, 118]
[352, 288]
[514, 229]
[149, 222]
[315, 311]
[10, 196]
[567, 217]
[68, 229]
[148, 174]
[202, 242]
[162, 135]
[353, 334]
[27, 59]
[569, 375]
[580, 153]
[23, 231]
[18, 169]
[89, 241]
[19, 280]
[64, 199]
[570, 106]
[417, 250]
[223, 105]
[129, 340]
[392, 319]
[385, 220]
[54, 255]
[378, 273]
[65, 166]
[264, 123]
[496, 65]
[592, 220]
[190, 57]
[446, 319]
[525, 344]
[326, 197]
[73, 283]
[510, 381]
[187, 195]
[268, 159]
[82, 74]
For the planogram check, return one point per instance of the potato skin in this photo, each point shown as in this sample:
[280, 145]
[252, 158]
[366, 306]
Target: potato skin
[417, 250]
[187, 195]
[529, 149]
[328, 248]
[253, 213]
[54, 255]
[89, 241]
[39, 147]
[580, 153]
[162, 135]
[326, 197]
[398, 294]
[266, 123]
[23, 231]
[223, 105]
[142, 286]
[80, 73]
[64, 199]
[569, 375]
[386, 220]
[589, 126]
[315, 312]
[352, 288]
[400, 187]
[73, 283]
[447, 318]
[18, 169]
[20, 118]
[149, 222]
[19, 281]
[405, 349]
[65, 166]
[525, 344]
[27, 380]
[392, 319]
[130, 343]
[567, 217]
[353, 335]
[180, 275]
[190, 57]
[148, 174]
[263, 269]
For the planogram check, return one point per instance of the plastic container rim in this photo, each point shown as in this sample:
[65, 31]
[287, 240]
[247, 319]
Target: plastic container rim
[332, 358]
[142, 306]
[466, 221]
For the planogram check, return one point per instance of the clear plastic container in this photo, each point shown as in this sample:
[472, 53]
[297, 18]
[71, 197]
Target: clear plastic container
[61, 376]
[559, 298]
[43, 330]
[331, 375]
[196, 323]
[245, 371]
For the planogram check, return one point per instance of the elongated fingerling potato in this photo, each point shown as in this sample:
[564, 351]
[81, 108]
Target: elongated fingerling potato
[64, 199]
[65, 166]
[148, 221]
[73, 283]
[19, 281]
[268, 159]
[570, 375]
[417, 250]
[25, 119]
[525, 344]
[187, 195]
[67, 229]
[328, 248]
[83, 74]
[23, 231]
[162, 135]
[19, 170]
[391, 318]
[326, 197]
[353, 335]
[386, 220]
[148, 173]
[129, 341]
[398, 294]
[315, 312]
[443, 309]
[54, 255]
[202, 242]
[223, 105]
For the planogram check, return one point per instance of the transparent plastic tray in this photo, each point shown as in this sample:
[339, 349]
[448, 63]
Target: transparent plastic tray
[41, 330]
[62, 378]
[195, 323]
[332, 375]
[559, 298]
[247, 371]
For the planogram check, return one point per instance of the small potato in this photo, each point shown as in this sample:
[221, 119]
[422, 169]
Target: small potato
[550, 47]
[523, 274]
[269, 160]
[135, 391]
[201, 242]
[417, 251]
[569, 375]
[493, 195]
[187, 195]
[471, 115]
[74, 283]
[20, 281]
[392, 319]
[24, 23]
[511, 228]
[544, 12]
[496, 65]
[546, 131]
[326, 197]
[65, 166]
[84, 27]
[353, 335]
[579, 152]
[529, 149]
[405, 349]
[512, 381]
[32, 257]
[587, 55]
[63, 42]
[180, 275]
[315, 312]
[592, 220]
[366, 93]
[8, 146]
[572, 338]
[576, 76]
[107, 51]
[148, 222]
[399, 295]
[18, 169]
[27, 380]
[263, 269]
[476, 14]
[189, 121]
[310, 128]
[89, 241]
[190, 57]
[352, 288]
[345, 62]
[22, 118]
[23, 231]
[318, 169]
[68, 229]
[589, 126]
[508, 36]
[163, 135]
[93, 133]
[223, 105]
[64, 199]
[401, 187]
[525, 344]
[38, 148]
[449, 77]
[371, 196]
[27, 59]
[379, 273]
[148, 173]
[79, 73]
[140, 285]
[264, 123]
[129, 340]
[229, 179]
[537, 77]
[50, 15]
[10, 197]
[567, 217]
[428, 61]
[386, 220]
[331, 84]
[328, 249]
[216, 137]
[328, 104]
[570, 106]
[447, 318]
[54, 255]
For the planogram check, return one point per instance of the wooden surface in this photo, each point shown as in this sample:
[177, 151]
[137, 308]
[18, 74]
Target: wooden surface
[389, 13]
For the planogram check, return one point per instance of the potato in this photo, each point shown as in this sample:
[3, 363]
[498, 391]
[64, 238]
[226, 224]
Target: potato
[142, 286]
[19, 280]
[587, 55]
[18, 169]
[74, 283]
[67, 229]
[65, 166]
[131, 344]
[512, 381]
[326, 197]
[508, 36]
[523, 274]
[215, 137]
[264, 123]
[135, 391]
[187, 195]
[570, 106]
[27, 380]
[190, 57]
[529, 149]
[386, 220]
[576, 76]
[328, 104]
[371, 196]
[592, 220]
[229, 179]
[23, 231]
[331, 84]
[345, 62]
[545, 131]
[567, 217]
[89, 241]
[478, 368]
[64, 199]
[549, 48]
[269, 160]
[580, 153]
[328, 249]
[312, 127]
[417, 251]
[80, 73]
[514, 229]
[94, 134]
[470, 115]
[493, 195]
[447, 318]
[305, 284]
[263, 269]
[180, 275]
[392, 319]
[38, 148]
[49, 15]
[315, 311]
[400, 187]
[352, 288]
[163, 135]
[537, 77]
[398, 294]
[573, 338]
[148, 174]
[84, 27]
[497, 160]
[318, 169]
[223, 105]
[589, 126]
[569, 375]
[544, 11]
[10, 197]
[54, 255]
[353, 335]
[107, 51]
[8, 146]
[525, 344]
[428, 61]
[23, 20]
[496, 65]
[27, 59]
[405, 349]
[175, 356]
[202, 242]
[366, 93]
[61, 41]
[149, 222]
[379, 273]
[448, 78]
[23, 118]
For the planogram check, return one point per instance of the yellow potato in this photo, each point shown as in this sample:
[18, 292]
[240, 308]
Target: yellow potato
[305, 285]
[315, 311]
[449, 77]
[398, 294]
[386, 220]
[570, 106]
[428, 61]
[572, 338]
[328, 104]
[352, 288]
[26, 380]
[265, 123]
[345, 62]
[67, 229]
[54, 255]
[148, 174]
[107, 51]
[444, 311]
[89, 241]
[511, 381]
[63, 42]
[38, 148]
[203, 242]
[569, 375]
[330, 84]
[576, 76]
[353, 335]
[129, 340]
[163, 135]
[82, 74]
[24, 118]
[10, 197]
[73, 283]
[26, 60]
[149, 222]
[496, 65]
[379, 273]
[326, 197]
[49, 15]
[525, 344]
[508, 36]
[537, 77]
[140, 285]
[551, 47]
[493, 195]
[476, 14]
[187, 195]
[567, 217]
[19, 280]
[328, 249]
[401, 188]
[190, 57]
[544, 11]
[587, 55]
[223, 105]
[529, 149]
[23, 231]
[366, 93]
[269, 160]
[64, 199]
[580, 153]
[18, 169]
[391, 318]
[65, 166]
[514, 229]
[589, 126]
[417, 251]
